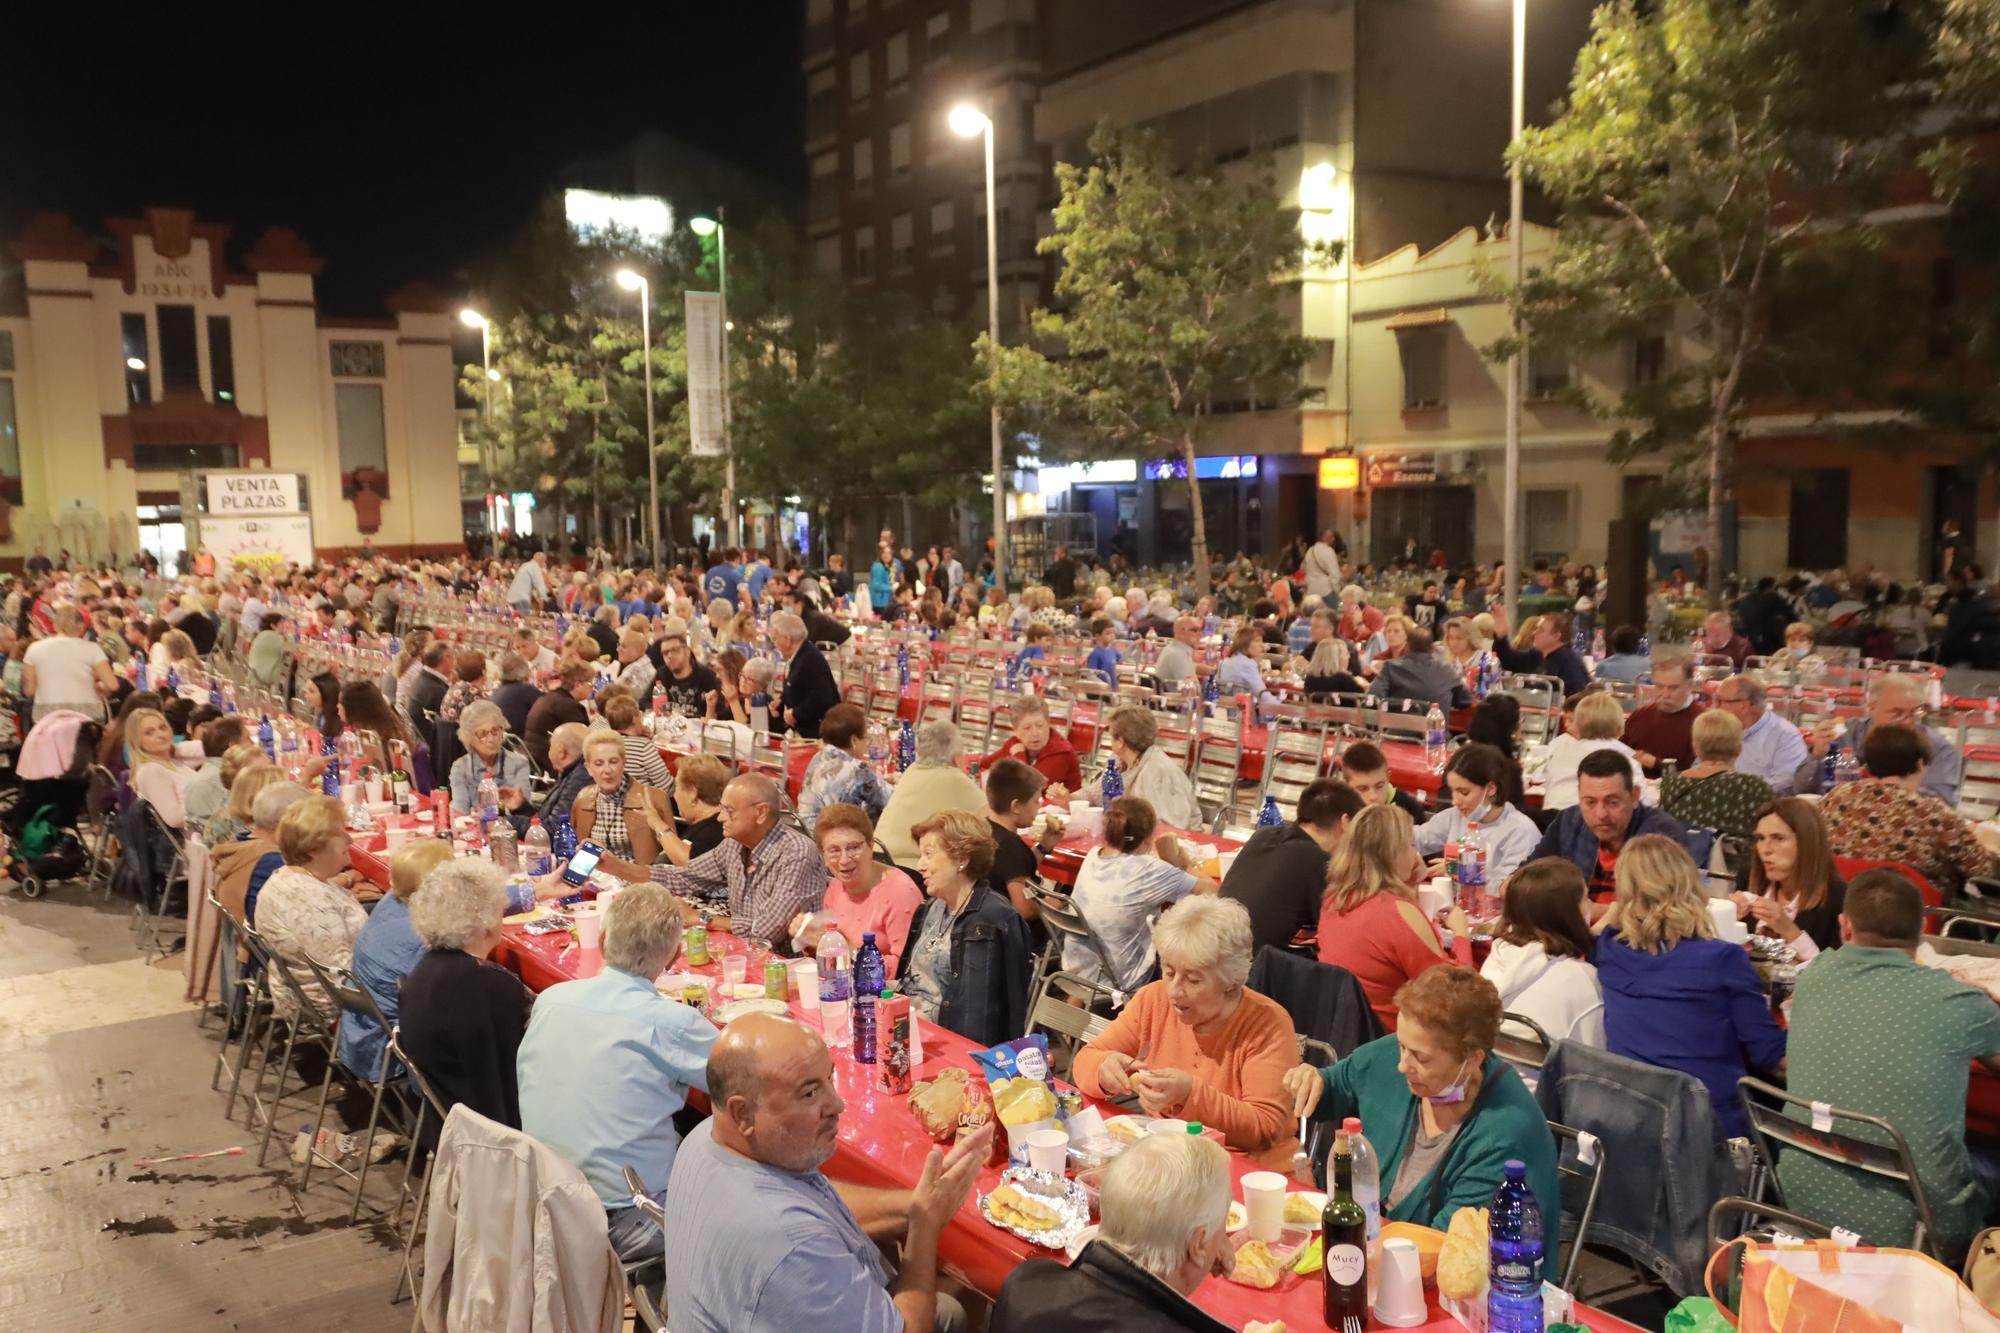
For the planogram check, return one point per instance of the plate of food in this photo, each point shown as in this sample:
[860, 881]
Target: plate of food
[1304, 1208]
[1267, 1264]
[1038, 1206]
[736, 1009]
[1128, 1129]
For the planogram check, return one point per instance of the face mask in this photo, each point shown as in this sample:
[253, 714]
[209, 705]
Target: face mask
[1797, 652]
[1481, 812]
[1455, 1093]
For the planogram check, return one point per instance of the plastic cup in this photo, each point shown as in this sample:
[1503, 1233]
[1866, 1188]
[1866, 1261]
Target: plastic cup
[589, 918]
[1048, 1150]
[805, 977]
[374, 788]
[735, 967]
[1264, 1202]
[1399, 1293]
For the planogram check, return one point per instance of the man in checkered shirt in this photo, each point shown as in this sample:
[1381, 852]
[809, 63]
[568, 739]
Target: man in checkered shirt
[762, 876]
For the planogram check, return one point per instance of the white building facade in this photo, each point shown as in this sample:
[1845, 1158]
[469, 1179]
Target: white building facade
[126, 366]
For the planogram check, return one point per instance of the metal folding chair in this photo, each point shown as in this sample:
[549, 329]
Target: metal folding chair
[1522, 1042]
[652, 1316]
[151, 920]
[1578, 1179]
[308, 1022]
[1066, 921]
[1294, 758]
[353, 998]
[431, 1106]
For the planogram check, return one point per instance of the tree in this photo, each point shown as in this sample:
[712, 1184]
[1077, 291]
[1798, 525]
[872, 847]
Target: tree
[1171, 302]
[1715, 159]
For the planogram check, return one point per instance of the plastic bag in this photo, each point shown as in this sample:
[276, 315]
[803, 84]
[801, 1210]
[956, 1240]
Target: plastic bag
[1819, 1286]
[1697, 1314]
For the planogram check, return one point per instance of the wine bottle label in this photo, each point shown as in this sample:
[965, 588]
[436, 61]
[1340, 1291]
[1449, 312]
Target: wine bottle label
[1346, 1265]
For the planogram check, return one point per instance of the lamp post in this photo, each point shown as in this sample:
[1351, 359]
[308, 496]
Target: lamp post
[1511, 528]
[633, 282]
[705, 227]
[472, 319]
[967, 120]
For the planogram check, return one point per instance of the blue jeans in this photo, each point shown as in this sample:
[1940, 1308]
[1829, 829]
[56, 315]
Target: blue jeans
[635, 1236]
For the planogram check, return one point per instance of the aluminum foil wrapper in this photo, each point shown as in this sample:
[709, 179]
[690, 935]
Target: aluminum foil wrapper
[553, 924]
[1064, 1196]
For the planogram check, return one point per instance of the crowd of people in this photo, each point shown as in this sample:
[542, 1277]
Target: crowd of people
[1603, 936]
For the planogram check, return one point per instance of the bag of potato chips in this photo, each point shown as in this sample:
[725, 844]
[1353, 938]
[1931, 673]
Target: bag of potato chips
[1018, 1073]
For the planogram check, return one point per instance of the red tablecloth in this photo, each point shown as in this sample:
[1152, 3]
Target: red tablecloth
[881, 1145]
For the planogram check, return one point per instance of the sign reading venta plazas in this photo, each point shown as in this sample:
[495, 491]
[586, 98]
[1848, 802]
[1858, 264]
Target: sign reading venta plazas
[253, 493]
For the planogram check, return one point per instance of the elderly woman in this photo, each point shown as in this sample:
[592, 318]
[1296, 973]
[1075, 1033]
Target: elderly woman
[1388, 643]
[1798, 657]
[155, 775]
[307, 909]
[482, 729]
[1327, 669]
[1039, 745]
[1887, 817]
[1358, 619]
[1242, 671]
[1040, 604]
[469, 688]
[245, 863]
[622, 713]
[698, 784]
[1369, 921]
[1792, 890]
[864, 895]
[231, 819]
[1199, 1017]
[969, 956]
[66, 670]
[1443, 1112]
[615, 812]
[1121, 887]
[385, 952]
[1150, 773]
[840, 774]
[463, 1017]
[1164, 1204]
[935, 782]
[1596, 723]
[1674, 995]
[743, 682]
[1712, 794]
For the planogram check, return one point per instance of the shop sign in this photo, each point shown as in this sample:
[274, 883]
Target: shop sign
[1401, 470]
[253, 493]
[1341, 473]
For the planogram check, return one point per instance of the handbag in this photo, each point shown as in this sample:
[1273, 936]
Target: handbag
[1821, 1287]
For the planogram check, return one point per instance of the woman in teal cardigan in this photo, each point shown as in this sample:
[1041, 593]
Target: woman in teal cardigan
[1443, 1112]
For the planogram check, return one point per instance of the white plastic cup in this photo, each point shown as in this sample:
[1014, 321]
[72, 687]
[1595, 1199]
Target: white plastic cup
[805, 978]
[735, 967]
[1264, 1204]
[1048, 1150]
[1399, 1292]
[374, 787]
[589, 918]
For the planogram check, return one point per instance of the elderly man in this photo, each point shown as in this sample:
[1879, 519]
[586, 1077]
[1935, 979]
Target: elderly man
[1773, 749]
[1607, 815]
[1720, 639]
[1164, 1206]
[1176, 660]
[635, 671]
[572, 774]
[809, 685]
[1893, 701]
[1420, 676]
[935, 782]
[763, 1241]
[1664, 728]
[531, 584]
[608, 1061]
[762, 875]
[560, 704]
[429, 689]
[538, 655]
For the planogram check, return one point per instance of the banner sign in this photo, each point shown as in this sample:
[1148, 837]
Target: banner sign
[704, 374]
[263, 544]
[252, 493]
[1401, 469]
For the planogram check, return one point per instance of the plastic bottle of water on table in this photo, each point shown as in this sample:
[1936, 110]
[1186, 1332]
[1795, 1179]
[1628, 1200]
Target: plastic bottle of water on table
[1436, 739]
[537, 856]
[1470, 872]
[870, 976]
[836, 987]
[488, 803]
[1514, 1291]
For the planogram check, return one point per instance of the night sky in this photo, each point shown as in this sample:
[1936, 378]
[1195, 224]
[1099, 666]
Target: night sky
[400, 146]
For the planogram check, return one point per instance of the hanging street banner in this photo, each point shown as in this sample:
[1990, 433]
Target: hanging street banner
[704, 381]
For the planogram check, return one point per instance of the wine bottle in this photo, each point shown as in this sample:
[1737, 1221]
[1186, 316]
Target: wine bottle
[1344, 1228]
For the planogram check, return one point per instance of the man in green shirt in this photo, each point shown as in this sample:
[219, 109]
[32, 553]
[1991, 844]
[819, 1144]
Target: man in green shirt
[1873, 1030]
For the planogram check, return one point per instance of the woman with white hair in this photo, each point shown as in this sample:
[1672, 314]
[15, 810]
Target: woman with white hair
[1164, 1205]
[1200, 1016]
[463, 1017]
[936, 782]
[1327, 670]
[67, 671]
[1596, 723]
[482, 730]
[616, 812]
[1151, 774]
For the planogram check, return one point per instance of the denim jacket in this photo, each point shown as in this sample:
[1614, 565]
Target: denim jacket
[991, 959]
[1662, 1163]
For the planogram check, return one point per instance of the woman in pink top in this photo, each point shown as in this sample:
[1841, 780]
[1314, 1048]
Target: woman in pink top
[865, 894]
[1369, 921]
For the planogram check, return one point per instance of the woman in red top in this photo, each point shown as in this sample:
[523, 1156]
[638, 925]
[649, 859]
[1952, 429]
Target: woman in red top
[1038, 744]
[1369, 921]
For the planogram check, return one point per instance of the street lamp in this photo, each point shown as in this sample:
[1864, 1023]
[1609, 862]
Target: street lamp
[706, 227]
[472, 319]
[1511, 526]
[633, 282]
[966, 121]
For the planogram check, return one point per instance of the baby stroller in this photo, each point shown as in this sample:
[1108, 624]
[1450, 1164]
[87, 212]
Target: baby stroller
[43, 842]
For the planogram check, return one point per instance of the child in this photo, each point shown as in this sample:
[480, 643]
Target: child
[1103, 659]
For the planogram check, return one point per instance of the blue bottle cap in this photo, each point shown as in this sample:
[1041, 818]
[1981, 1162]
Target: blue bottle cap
[1516, 1169]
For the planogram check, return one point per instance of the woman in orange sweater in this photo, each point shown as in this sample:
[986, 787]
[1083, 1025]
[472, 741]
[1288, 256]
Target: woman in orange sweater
[1369, 921]
[1198, 1045]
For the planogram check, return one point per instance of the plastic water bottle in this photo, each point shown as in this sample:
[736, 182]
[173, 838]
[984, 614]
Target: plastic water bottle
[536, 856]
[563, 844]
[173, 681]
[488, 800]
[139, 672]
[1367, 1176]
[835, 988]
[329, 781]
[1112, 786]
[1435, 739]
[903, 662]
[1471, 871]
[1514, 1256]
[1268, 816]
[878, 746]
[1846, 768]
[267, 738]
[502, 847]
[870, 976]
[906, 751]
